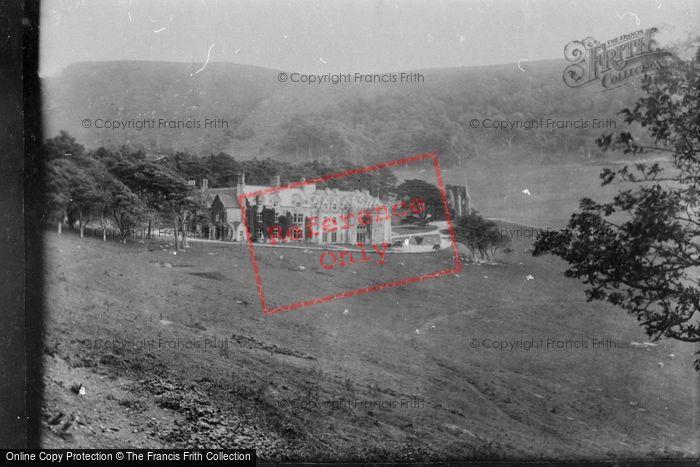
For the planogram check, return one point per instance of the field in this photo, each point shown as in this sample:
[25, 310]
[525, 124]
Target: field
[400, 374]
[555, 190]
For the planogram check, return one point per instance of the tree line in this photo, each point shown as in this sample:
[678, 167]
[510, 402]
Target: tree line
[123, 187]
[126, 188]
[437, 117]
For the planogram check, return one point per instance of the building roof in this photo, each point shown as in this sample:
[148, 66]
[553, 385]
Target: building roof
[252, 188]
[212, 192]
[229, 195]
[229, 200]
[308, 196]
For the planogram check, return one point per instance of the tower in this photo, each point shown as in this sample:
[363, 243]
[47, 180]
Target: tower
[466, 189]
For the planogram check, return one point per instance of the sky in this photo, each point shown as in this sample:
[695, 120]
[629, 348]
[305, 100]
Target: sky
[365, 36]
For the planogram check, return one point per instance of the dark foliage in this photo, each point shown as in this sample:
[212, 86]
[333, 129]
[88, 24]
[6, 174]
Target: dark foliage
[640, 250]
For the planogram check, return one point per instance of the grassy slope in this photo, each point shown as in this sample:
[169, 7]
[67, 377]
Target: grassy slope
[479, 403]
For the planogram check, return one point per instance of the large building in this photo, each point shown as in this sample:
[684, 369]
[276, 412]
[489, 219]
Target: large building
[334, 213]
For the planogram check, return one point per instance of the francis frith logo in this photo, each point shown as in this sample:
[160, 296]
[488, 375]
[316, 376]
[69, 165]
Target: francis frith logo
[615, 62]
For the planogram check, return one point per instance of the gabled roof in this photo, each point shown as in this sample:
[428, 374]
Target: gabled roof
[211, 193]
[228, 198]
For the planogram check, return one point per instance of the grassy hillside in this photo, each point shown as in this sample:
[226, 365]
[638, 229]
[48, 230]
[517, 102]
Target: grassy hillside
[127, 90]
[356, 122]
[405, 344]
[555, 190]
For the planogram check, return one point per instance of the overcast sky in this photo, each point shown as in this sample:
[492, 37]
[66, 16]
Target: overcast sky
[343, 36]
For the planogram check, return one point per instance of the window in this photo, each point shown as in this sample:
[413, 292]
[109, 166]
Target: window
[216, 218]
[298, 218]
[259, 233]
[334, 207]
[334, 237]
[325, 236]
[258, 216]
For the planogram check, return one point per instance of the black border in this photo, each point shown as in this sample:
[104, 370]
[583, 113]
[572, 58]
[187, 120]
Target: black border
[20, 175]
[34, 193]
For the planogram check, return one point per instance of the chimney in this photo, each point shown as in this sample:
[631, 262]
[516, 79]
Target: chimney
[205, 184]
[275, 181]
[240, 186]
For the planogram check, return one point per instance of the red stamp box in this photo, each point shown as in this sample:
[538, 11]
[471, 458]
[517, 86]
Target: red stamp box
[368, 222]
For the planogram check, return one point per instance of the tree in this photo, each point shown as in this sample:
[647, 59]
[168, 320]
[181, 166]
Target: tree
[79, 185]
[165, 193]
[57, 191]
[381, 182]
[159, 189]
[259, 172]
[479, 235]
[125, 207]
[198, 211]
[430, 194]
[285, 222]
[62, 146]
[220, 169]
[492, 242]
[640, 250]
[83, 189]
[268, 221]
[106, 186]
[190, 207]
[251, 218]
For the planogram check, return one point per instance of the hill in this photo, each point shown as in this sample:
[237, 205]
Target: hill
[327, 382]
[356, 122]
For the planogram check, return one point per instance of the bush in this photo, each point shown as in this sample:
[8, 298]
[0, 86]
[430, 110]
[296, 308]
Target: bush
[480, 235]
